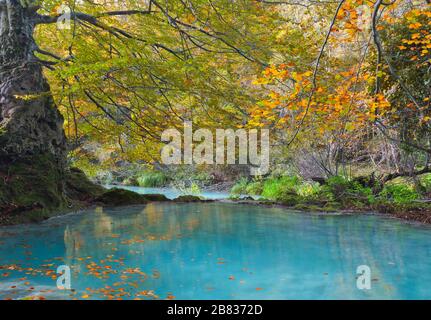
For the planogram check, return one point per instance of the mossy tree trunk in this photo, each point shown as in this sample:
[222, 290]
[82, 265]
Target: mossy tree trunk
[33, 146]
[30, 123]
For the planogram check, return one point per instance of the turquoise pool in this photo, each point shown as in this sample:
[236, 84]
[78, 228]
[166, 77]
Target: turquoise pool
[214, 251]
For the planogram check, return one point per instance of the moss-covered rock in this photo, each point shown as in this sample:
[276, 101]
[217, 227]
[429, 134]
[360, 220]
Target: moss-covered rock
[79, 188]
[188, 198]
[120, 197]
[35, 188]
[30, 185]
[157, 197]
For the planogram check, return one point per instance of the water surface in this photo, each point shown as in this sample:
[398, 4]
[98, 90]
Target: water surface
[172, 193]
[214, 251]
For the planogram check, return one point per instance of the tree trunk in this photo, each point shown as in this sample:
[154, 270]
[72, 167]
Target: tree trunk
[30, 123]
[33, 147]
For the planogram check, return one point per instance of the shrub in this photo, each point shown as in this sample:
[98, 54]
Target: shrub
[280, 189]
[254, 188]
[152, 179]
[347, 192]
[309, 190]
[399, 193]
[194, 189]
[240, 187]
[425, 181]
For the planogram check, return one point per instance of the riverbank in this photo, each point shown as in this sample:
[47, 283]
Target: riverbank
[418, 215]
[421, 213]
[26, 202]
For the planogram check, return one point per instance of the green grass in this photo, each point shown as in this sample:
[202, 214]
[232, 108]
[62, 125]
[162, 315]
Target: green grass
[337, 193]
[309, 190]
[425, 181]
[152, 179]
[254, 188]
[240, 187]
[280, 188]
[399, 193]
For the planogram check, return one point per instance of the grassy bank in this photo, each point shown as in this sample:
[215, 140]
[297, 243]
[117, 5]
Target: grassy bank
[400, 197]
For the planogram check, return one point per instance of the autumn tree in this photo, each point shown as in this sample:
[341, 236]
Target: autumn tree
[121, 72]
[367, 86]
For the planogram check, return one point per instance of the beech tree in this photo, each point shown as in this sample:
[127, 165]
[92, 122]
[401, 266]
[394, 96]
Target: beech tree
[30, 122]
[123, 68]
[126, 70]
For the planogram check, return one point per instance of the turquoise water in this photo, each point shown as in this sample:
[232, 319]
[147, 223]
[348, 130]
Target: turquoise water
[171, 193]
[215, 251]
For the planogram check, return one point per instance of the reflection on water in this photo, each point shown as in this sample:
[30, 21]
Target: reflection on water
[214, 251]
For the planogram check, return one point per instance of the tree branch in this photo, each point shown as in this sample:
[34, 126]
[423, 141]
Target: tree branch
[316, 69]
[381, 54]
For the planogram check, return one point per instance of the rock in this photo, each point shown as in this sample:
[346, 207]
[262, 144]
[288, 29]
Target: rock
[247, 198]
[80, 188]
[130, 181]
[120, 197]
[157, 197]
[28, 185]
[188, 198]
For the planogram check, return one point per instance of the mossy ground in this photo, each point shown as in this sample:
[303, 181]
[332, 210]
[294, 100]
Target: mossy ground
[30, 186]
[34, 189]
[188, 198]
[119, 197]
